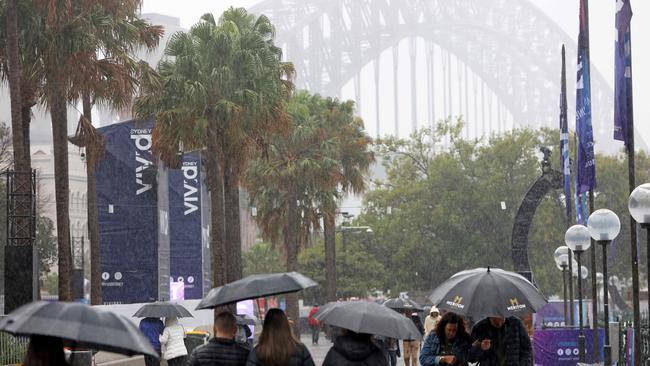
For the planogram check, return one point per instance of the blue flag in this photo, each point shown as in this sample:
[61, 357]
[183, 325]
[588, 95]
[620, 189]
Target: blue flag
[586, 164]
[564, 139]
[623, 71]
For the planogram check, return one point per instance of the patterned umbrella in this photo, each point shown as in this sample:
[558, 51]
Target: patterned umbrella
[484, 292]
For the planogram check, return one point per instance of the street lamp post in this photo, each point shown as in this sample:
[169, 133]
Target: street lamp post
[639, 206]
[578, 240]
[561, 256]
[604, 227]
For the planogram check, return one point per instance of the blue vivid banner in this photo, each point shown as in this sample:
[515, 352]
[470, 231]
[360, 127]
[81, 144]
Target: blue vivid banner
[586, 164]
[127, 208]
[559, 347]
[623, 72]
[186, 252]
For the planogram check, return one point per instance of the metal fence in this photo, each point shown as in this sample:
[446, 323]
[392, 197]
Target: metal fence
[12, 349]
[625, 341]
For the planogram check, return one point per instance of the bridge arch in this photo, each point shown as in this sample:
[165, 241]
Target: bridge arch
[513, 47]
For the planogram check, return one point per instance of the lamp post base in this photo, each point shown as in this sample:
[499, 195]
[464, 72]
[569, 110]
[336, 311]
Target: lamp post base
[607, 350]
[581, 345]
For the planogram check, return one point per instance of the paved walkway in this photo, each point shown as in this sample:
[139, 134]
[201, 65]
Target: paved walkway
[319, 351]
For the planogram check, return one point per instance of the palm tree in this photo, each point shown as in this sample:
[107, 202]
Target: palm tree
[222, 87]
[283, 183]
[64, 48]
[113, 83]
[354, 161]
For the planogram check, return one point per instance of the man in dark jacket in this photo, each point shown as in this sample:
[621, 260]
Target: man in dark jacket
[222, 349]
[354, 349]
[501, 342]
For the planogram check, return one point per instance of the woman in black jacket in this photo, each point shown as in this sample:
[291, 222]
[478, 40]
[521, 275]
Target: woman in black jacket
[277, 345]
[354, 349]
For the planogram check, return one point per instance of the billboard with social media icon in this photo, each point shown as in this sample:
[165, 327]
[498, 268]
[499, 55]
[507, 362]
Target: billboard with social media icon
[127, 209]
[185, 225]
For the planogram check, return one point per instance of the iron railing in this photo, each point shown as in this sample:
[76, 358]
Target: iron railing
[12, 349]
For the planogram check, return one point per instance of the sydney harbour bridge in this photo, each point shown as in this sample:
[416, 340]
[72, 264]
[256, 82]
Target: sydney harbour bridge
[496, 63]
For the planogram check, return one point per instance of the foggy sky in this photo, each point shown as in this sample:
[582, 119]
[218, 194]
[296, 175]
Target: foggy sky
[563, 12]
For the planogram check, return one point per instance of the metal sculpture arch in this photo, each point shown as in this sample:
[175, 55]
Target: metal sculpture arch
[330, 41]
[549, 181]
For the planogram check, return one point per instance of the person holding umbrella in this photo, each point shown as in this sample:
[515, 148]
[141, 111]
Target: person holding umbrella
[44, 351]
[352, 349]
[152, 328]
[222, 348]
[501, 342]
[172, 342]
[412, 346]
[277, 345]
[52, 325]
[447, 344]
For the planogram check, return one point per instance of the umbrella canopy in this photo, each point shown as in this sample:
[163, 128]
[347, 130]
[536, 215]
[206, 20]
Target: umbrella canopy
[368, 317]
[163, 310]
[78, 325]
[484, 292]
[402, 304]
[255, 286]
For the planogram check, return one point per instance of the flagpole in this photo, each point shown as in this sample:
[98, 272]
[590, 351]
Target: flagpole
[594, 288]
[568, 198]
[607, 347]
[631, 169]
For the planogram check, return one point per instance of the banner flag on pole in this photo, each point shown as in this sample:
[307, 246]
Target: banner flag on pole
[586, 164]
[623, 71]
[564, 140]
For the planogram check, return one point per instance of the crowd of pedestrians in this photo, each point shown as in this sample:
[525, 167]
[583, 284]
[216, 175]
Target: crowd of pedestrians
[448, 340]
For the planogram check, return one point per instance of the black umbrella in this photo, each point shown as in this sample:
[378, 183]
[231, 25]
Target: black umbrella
[484, 292]
[368, 317]
[78, 325]
[402, 304]
[162, 310]
[255, 286]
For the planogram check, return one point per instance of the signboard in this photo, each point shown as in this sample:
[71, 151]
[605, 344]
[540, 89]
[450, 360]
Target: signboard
[127, 208]
[559, 347]
[186, 245]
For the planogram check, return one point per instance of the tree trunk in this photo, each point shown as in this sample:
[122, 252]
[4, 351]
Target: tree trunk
[217, 212]
[19, 254]
[93, 215]
[233, 231]
[26, 116]
[58, 110]
[292, 256]
[329, 233]
[215, 185]
[13, 56]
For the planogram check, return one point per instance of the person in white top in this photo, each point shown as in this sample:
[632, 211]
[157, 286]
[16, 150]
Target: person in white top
[431, 321]
[172, 343]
